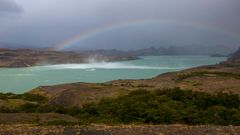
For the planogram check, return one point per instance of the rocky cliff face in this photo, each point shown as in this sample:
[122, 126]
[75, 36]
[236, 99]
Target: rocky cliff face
[236, 55]
[233, 60]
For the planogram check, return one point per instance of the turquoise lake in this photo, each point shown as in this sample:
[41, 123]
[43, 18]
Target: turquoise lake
[19, 80]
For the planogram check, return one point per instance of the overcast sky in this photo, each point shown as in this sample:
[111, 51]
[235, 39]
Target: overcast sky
[45, 23]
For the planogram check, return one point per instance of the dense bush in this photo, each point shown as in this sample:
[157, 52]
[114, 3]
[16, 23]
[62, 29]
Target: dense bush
[165, 107]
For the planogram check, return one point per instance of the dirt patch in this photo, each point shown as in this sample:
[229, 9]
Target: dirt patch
[118, 130]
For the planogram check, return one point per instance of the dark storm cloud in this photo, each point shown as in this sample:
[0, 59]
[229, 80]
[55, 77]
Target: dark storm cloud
[49, 22]
[9, 6]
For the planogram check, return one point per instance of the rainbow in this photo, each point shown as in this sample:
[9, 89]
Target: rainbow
[95, 31]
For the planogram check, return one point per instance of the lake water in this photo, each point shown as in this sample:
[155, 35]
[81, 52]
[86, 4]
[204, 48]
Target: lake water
[19, 80]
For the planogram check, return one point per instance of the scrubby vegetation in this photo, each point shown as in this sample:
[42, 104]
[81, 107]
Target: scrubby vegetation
[182, 77]
[165, 107]
[13, 103]
[25, 96]
[170, 106]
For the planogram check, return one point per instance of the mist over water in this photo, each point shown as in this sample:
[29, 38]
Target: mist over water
[104, 65]
[24, 79]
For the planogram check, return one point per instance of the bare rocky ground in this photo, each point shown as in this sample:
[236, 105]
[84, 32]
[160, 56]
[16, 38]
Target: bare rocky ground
[29, 118]
[119, 130]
